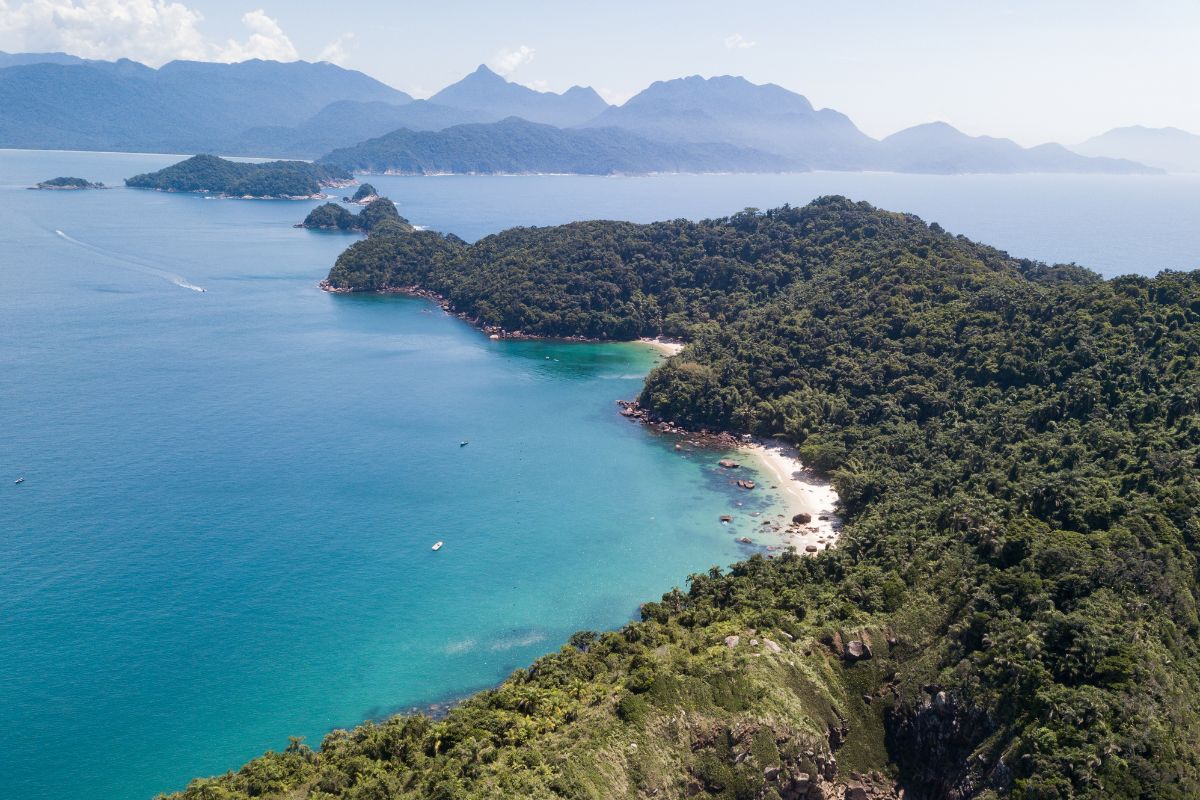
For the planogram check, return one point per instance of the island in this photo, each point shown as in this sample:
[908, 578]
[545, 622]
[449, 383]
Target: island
[378, 214]
[271, 180]
[60, 184]
[1010, 610]
[365, 194]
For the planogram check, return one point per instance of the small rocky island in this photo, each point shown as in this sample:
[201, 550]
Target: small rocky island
[269, 180]
[378, 215]
[364, 196]
[60, 184]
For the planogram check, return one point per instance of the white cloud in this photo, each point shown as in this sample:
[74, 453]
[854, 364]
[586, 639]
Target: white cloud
[146, 30]
[335, 51]
[738, 42]
[150, 31]
[508, 59]
[267, 41]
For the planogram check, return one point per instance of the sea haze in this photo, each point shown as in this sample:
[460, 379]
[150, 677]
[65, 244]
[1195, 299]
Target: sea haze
[224, 535]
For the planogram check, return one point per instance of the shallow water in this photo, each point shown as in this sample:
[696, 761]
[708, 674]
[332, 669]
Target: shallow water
[224, 536]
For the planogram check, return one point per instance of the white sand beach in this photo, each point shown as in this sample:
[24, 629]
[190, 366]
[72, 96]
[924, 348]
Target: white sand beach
[666, 346]
[801, 492]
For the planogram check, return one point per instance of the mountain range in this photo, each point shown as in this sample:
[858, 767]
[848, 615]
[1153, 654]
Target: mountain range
[1171, 149]
[181, 106]
[483, 123]
[515, 146]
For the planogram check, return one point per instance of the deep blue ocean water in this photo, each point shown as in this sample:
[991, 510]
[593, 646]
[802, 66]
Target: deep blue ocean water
[224, 534]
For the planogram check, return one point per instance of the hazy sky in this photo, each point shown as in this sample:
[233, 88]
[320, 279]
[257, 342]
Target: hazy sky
[1032, 71]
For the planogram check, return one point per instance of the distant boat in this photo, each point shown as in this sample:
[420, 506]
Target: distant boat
[463, 443]
[22, 480]
[437, 545]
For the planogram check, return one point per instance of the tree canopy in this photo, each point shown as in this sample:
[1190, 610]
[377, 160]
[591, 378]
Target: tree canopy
[205, 173]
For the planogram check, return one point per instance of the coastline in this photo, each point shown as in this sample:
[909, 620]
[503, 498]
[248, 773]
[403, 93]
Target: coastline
[800, 491]
[667, 347]
[795, 489]
[664, 345]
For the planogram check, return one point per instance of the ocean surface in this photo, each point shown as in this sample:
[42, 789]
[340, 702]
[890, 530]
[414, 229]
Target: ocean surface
[224, 534]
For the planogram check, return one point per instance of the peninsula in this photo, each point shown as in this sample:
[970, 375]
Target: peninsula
[271, 180]
[1010, 610]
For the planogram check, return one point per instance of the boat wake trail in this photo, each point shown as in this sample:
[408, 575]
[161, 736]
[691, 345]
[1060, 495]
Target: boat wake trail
[135, 264]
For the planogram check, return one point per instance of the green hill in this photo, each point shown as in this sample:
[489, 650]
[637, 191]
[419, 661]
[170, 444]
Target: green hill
[271, 179]
[379, 214]
[1011, 611]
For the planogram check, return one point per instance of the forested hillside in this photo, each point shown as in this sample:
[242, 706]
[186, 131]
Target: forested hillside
[1012, 609]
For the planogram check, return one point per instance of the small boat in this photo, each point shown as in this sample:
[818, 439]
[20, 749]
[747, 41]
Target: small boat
[463, 443]
[437, 545]
[19, 480]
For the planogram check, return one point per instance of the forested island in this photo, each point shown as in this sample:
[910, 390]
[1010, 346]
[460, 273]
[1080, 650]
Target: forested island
[1011, 611]
[285, 180]
[365, 194]
[68, 184]
[378, 216]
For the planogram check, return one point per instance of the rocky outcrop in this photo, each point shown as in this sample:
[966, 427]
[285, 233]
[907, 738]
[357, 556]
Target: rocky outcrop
[781, 761]
[857, 649]
[703, 438]
[934, 743]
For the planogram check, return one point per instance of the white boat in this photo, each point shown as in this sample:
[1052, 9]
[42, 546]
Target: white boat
[22, 480]
[437, 545]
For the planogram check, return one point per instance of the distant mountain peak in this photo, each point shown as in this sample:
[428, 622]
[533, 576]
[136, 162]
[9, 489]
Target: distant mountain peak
[484, 72]
[1172, 149]
[494, 97]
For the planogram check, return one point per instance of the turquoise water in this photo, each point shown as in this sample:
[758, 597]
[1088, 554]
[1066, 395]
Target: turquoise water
[224, 535]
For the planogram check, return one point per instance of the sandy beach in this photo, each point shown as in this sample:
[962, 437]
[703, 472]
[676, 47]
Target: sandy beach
[801, 492]
[667, 347]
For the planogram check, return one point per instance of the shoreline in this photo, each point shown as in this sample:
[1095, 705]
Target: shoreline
[662, 344]
[668, 347]
[800, 491]
[795, 489]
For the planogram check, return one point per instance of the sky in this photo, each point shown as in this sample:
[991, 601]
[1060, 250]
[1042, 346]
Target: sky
[1033, 71]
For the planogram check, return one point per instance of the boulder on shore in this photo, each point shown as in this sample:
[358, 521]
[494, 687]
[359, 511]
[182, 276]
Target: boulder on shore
[802, 519]
[728, 463]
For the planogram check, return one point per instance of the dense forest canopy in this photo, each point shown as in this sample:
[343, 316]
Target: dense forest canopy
[206, 173]
[1017, 449]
